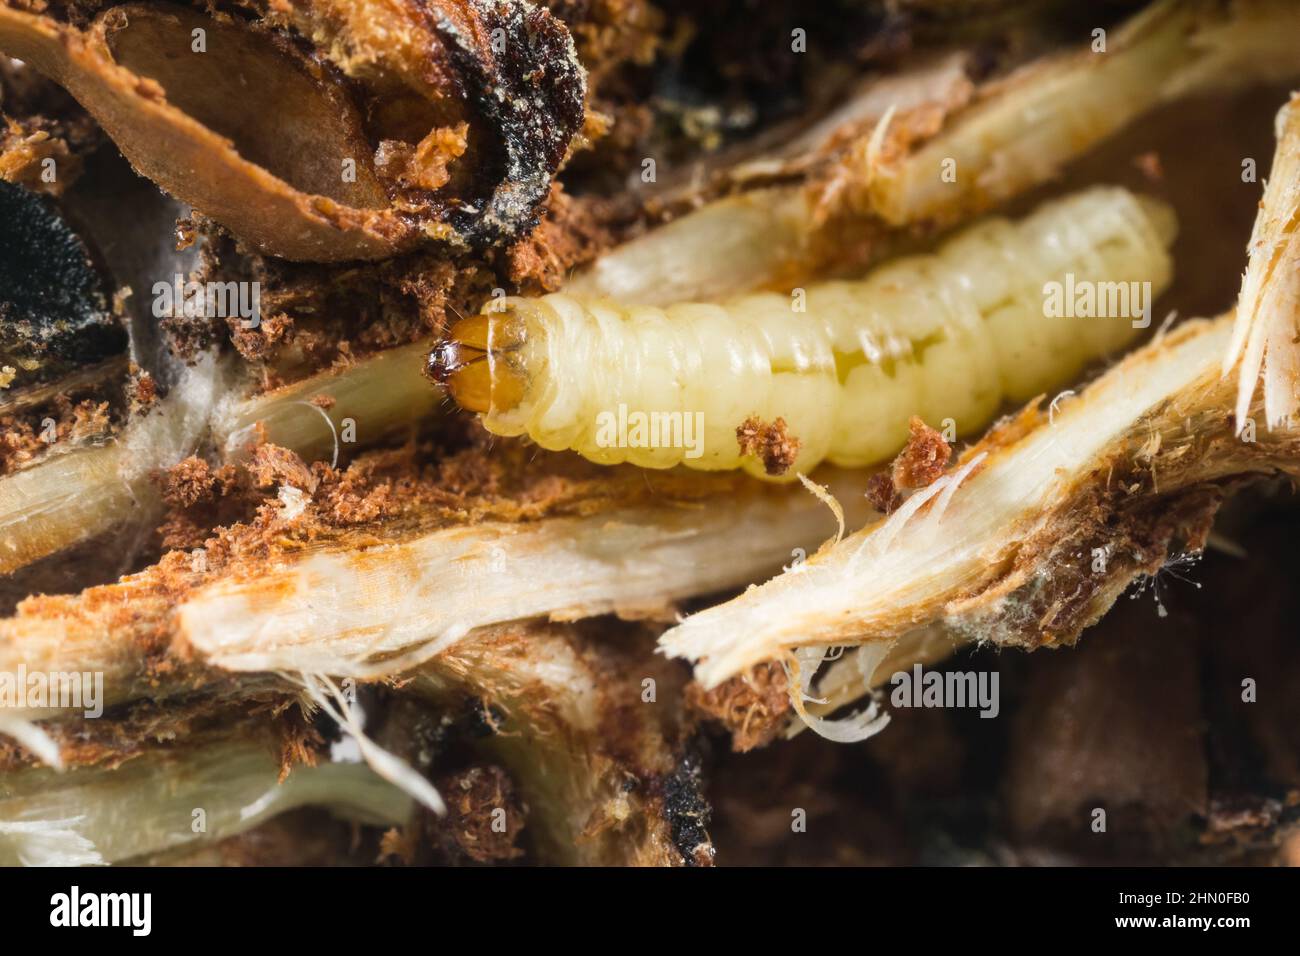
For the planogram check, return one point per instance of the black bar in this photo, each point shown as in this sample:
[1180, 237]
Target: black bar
[332, 907]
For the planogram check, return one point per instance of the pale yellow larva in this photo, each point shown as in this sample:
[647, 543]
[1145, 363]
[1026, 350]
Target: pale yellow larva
[946, 336]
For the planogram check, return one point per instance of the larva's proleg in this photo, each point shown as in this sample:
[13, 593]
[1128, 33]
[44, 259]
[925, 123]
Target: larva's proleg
[1001, 312]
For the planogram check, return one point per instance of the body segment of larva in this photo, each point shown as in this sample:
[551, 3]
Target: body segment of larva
[950, 335]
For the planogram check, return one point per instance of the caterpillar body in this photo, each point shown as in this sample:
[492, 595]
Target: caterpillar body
[948, 335]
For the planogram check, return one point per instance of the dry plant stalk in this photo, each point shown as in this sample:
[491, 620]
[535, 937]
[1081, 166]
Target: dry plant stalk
[549, 694]
[1266, 336]
[375, 601]
[765, 236]
[1057, 515]
[75, 494]
[1171, 50]
[144, 802]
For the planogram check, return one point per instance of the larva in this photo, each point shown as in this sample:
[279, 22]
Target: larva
[948, 335]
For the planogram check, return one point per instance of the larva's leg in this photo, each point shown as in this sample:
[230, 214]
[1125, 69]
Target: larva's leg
[845, 365]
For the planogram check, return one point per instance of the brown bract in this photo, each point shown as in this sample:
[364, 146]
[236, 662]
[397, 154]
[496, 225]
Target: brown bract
[919, 464]
[773, 443]
[283, 128]
[753, 707]
[923, 459]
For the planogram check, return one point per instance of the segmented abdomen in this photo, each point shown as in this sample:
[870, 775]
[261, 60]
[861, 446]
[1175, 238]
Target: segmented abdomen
[945, 336]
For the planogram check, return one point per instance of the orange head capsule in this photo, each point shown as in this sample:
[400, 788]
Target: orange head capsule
[476, 362]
